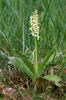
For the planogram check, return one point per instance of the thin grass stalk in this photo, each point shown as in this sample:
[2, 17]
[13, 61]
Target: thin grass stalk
[20, 16]
[22, 24]
[23, 37]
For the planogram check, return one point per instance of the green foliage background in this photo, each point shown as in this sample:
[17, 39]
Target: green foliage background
[14, 25]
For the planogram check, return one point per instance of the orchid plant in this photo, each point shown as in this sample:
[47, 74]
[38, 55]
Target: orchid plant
[25, 65]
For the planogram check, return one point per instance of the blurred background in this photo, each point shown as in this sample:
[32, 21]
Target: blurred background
[14, 25]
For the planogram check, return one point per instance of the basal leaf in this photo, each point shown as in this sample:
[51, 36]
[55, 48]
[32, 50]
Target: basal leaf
[41, 66]
[27, 62]
[17, 62]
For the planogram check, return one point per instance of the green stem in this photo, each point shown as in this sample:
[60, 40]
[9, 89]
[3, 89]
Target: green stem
[35, 88]
[35, 56]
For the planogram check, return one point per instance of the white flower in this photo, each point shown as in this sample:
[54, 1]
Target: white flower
[34, 22]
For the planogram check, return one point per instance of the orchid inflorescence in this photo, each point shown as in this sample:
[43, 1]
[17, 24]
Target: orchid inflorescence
[34, 22]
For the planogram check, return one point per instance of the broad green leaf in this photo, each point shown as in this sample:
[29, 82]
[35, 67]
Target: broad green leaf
[41, 66]
[17, 62]
[51, 77]
[27, 62]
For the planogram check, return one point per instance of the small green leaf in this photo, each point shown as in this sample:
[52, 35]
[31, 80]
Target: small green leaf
[54, 78]
[17, 62]
[41, 66]
[58, 84]
[51, 58]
